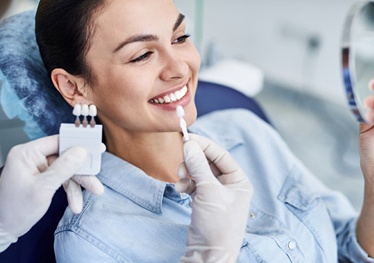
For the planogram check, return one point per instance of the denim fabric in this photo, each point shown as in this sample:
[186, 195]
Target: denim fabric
[293, 216]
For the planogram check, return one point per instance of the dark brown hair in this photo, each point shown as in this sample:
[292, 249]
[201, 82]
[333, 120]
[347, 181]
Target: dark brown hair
[63, 29]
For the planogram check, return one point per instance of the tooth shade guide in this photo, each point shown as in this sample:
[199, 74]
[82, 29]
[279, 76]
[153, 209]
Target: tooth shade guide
[180, 111]
[77, 111]
[92, 113]
[85, 110]
[85, 114]
[182, 123]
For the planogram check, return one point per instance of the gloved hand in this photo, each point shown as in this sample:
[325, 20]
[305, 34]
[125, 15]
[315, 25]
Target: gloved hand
[221, 200]
[30, 178]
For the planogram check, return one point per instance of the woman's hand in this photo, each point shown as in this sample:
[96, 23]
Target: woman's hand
[365, 224]
[366, 137]
[366, 150]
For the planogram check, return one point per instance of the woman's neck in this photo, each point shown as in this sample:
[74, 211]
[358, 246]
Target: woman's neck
[157, 154]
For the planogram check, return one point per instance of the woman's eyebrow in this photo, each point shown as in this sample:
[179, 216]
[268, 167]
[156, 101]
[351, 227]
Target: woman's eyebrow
[179, 21]
[136, 38]
[147, 38]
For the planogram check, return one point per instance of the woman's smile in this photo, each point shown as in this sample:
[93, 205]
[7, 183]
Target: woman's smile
[170, 97]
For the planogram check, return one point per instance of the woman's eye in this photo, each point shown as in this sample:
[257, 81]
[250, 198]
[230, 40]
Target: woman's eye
[143, 57]
[181, 39]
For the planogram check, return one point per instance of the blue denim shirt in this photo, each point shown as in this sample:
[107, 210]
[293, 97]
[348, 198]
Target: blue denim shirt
[293, 216]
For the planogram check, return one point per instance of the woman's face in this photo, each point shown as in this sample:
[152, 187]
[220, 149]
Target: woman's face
[142, 59]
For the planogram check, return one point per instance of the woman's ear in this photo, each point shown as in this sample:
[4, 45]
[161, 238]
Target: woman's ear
[69, 86]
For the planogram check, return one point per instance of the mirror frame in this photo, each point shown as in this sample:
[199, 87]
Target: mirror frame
[348, 62]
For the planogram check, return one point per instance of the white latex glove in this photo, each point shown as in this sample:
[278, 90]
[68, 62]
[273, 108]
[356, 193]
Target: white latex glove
[30, 178]
[221, 200]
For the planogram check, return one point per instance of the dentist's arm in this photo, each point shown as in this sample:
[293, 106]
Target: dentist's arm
[220, 206]
[31, 176]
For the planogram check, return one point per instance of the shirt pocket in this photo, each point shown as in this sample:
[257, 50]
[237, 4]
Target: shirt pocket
[261, 248]
[307, 204]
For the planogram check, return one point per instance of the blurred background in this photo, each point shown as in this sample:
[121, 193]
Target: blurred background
[286, 54]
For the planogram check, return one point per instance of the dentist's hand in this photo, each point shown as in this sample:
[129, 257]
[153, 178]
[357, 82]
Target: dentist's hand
[221, 200]
[31, 176]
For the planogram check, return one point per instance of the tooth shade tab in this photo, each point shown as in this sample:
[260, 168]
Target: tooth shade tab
[180, 111]
[85, 110]
[182, 123]
[92, 110]
[77, 111]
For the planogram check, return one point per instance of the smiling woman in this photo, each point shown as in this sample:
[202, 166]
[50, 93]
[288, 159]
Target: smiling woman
[133, 66]
[135, 62]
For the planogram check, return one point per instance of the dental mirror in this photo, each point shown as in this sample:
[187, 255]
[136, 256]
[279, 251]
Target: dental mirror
[358, 56]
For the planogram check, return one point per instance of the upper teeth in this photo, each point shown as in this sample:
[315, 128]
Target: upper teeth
[172, 97]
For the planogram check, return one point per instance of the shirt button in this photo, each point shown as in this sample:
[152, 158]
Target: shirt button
[252, 215]
[292, 245]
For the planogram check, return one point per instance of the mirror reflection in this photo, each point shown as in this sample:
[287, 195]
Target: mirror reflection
[358, 60]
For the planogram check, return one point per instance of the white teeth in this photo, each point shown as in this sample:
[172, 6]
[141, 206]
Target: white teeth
[178, 95]
[172, 97]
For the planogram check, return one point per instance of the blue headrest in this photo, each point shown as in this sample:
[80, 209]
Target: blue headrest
[26, 89]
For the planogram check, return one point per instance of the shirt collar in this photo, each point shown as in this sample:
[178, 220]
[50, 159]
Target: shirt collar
[147, 192]
[132, 182]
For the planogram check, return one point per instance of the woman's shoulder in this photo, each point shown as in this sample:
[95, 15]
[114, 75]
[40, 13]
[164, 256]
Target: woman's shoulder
[234, 114]
[232, 124]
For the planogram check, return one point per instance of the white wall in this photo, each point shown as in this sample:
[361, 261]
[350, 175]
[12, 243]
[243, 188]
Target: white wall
[273, 34]
[17, 6]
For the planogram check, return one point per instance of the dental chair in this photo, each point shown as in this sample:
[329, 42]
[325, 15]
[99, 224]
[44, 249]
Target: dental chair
[26, 92]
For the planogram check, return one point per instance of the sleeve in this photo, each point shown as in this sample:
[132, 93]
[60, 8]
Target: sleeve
[6, 240]
[342, 214]
[71, 247]
[349, 248]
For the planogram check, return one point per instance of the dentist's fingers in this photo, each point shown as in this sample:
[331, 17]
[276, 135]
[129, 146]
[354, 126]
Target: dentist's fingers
[74, 195]
[64, 167]
[33, 154]
[196, 163]
[185, 185]
[224, 163]
[45, 146]
[182, 171]
[102, 147]
[90, 183]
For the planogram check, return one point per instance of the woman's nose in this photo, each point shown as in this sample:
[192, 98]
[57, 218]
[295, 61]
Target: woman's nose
[174, 67]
